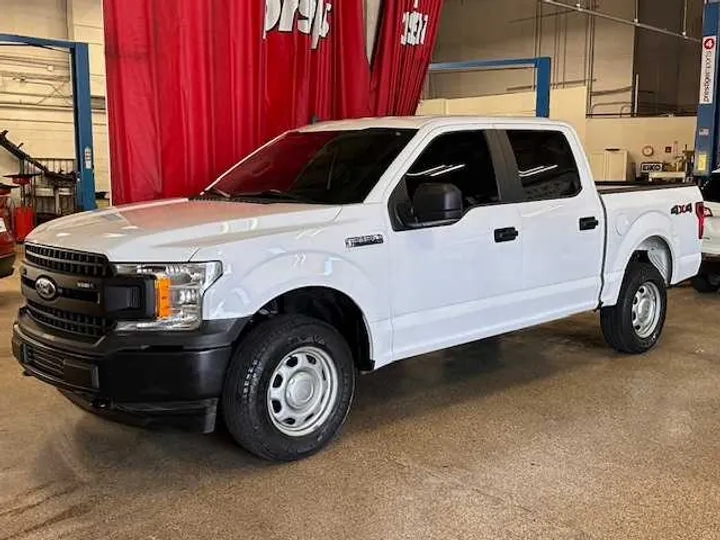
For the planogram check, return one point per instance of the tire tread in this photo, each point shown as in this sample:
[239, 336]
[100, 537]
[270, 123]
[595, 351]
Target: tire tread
[244, 373]
[612, 319]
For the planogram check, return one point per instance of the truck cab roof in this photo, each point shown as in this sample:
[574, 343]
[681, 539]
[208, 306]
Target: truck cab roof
[418, 122]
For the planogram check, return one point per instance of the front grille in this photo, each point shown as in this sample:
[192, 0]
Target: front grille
[73, 294]
[68, 261]
[45, 360]
[88, 326]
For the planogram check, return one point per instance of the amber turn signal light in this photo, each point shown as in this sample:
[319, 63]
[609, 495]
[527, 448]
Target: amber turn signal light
[162, 297]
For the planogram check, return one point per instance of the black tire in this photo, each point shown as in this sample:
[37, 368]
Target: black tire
[617, 321]
[703, 284]
[245, 408]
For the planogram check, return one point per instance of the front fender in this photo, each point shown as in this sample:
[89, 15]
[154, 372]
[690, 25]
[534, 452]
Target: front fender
[238, 295]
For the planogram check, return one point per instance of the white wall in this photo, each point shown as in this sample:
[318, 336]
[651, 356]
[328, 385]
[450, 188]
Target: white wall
[35, 88]
[632, 134]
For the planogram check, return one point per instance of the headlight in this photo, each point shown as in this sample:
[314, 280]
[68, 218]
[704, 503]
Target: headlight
[179, 290]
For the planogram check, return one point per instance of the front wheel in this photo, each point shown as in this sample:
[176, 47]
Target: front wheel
[635, 323]
[288, 388]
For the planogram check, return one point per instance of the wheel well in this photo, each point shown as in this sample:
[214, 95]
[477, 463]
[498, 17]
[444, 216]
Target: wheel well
[328, 305]
[655, 251]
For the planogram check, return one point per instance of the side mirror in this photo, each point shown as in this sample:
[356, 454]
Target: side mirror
[437, 202]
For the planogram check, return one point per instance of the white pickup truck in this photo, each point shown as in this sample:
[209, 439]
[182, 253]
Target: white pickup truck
[335, 249]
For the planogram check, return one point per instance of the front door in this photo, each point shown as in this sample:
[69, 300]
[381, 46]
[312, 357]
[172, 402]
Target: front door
[454, 282]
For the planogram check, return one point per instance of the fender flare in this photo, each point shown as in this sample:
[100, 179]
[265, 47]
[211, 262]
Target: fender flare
[651, 232]
[243, 295]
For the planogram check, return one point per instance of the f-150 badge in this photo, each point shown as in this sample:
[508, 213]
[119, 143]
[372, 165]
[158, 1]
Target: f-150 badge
[367, 240]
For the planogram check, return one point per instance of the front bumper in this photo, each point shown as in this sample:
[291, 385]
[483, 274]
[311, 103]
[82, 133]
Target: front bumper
[160, 380]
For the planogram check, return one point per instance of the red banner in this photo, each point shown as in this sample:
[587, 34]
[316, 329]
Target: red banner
[195, 85]
[402, 54]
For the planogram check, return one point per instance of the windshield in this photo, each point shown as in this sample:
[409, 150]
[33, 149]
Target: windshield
[321, 167]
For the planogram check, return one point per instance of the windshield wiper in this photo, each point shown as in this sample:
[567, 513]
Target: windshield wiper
[273, 194]
[215, 191]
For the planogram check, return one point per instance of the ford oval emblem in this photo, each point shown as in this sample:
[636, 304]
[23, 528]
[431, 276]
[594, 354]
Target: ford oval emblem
[46, 288]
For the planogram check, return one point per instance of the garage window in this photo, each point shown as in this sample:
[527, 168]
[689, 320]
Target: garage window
[545, 163]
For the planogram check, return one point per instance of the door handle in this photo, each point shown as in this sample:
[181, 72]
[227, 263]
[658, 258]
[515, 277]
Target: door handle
[588, 223]
[508, 234]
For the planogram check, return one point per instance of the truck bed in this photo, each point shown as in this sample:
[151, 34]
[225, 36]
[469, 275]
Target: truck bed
[667, 213]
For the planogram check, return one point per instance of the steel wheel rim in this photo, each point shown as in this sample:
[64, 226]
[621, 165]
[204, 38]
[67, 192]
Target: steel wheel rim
[303, 391]
[646, 309]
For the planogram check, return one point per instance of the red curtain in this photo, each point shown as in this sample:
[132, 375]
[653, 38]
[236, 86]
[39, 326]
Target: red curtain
[408, 29]
[195, 85]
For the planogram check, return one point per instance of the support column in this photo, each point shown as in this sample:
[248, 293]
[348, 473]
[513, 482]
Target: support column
[706, 137]
[83, 126]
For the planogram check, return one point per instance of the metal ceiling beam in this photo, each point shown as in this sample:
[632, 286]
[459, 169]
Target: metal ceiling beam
[636, 24]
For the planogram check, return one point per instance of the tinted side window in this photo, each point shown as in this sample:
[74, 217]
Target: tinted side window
[546, 164]
[461, 158]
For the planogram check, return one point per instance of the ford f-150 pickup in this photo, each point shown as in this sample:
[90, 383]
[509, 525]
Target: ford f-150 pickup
[335, 249]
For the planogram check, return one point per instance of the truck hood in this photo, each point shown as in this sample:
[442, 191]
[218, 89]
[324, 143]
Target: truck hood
[173, 230]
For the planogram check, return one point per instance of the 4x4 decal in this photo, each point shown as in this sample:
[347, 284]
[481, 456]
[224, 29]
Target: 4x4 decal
[681, 209]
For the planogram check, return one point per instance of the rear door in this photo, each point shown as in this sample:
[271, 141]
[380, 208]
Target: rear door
[562, 224]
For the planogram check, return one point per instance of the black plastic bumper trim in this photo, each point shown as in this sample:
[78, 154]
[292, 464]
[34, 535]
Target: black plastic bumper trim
[192, 416]
[155, 381]
[211, 334]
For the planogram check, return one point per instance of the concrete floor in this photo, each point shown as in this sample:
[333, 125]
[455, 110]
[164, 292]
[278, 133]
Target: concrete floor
[541, 434]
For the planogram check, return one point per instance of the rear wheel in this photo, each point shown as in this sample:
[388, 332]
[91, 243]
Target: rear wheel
[706, 283]
[288, 388]
[635, 323]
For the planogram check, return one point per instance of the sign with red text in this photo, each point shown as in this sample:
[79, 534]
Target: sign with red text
[707, 70]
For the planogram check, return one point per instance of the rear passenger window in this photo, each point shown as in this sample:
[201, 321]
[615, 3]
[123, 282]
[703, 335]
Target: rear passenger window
[546, 164]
